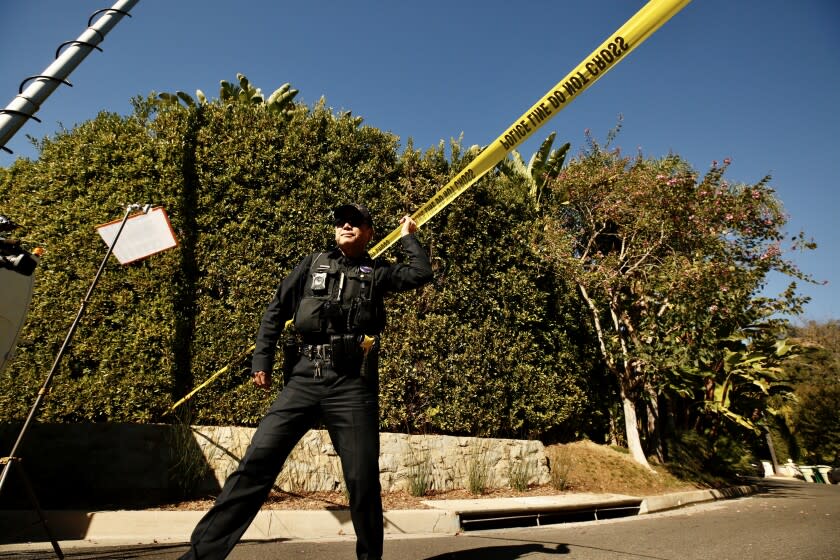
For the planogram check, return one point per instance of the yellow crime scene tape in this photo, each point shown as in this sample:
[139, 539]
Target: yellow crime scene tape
[614, 49]
[212, 378]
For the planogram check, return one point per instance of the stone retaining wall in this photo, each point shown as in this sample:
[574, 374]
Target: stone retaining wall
[438, 462]
[137, 465]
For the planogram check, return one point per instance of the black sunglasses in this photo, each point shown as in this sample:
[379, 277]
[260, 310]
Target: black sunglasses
[354, 221]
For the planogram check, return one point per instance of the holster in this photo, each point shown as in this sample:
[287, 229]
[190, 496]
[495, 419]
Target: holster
[291, 354]
[370, 362]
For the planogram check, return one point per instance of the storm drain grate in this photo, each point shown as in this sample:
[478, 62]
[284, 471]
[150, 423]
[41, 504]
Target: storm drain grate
[476, 521]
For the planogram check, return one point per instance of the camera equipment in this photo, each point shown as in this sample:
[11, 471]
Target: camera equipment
[13, 459]
[17, 266]
[6, 224]
[14, 257]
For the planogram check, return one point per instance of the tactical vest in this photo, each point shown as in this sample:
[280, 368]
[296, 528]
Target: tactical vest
[340, 299]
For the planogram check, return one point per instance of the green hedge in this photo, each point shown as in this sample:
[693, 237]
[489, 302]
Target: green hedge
[495, 346]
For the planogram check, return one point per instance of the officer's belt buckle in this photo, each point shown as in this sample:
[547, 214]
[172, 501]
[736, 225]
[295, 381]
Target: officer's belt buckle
[321, 352]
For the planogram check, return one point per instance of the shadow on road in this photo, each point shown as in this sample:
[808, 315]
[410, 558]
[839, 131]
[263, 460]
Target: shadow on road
[508, 552]
[512, 550]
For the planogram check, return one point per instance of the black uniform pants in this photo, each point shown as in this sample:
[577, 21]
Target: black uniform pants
[349, 407]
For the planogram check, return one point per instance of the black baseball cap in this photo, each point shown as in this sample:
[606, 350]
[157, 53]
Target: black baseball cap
[356, 214]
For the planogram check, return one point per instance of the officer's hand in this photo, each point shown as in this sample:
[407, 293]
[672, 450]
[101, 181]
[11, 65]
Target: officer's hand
[262, 380]
[408, 225]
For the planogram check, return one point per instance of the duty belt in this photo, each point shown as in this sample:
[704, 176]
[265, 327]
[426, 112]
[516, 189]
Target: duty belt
[318, 354]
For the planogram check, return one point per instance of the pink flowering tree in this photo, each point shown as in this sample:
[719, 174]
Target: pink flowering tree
[670, 266]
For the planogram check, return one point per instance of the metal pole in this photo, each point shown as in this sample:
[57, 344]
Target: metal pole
[29, 101]
[34, 499]
[45, 388]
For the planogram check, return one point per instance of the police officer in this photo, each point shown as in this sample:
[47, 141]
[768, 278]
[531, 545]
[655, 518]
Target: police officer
[330, 372]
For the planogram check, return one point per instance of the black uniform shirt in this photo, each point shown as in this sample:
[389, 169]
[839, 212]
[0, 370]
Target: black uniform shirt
[388, 278]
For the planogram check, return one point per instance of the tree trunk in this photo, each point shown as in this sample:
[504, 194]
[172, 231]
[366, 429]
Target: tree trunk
[667, 424]
[653, 420]
[631, 428]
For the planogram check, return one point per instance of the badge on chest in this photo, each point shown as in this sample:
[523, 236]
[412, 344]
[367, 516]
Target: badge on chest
[319, 281]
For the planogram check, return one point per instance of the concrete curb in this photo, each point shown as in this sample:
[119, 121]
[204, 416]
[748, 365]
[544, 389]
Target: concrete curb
[154, 526]
[652, 504]
[445, 517]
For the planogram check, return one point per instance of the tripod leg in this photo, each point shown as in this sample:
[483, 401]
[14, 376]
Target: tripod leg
[34, 500]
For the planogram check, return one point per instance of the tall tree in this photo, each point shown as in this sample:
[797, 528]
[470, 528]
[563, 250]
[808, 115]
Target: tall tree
[667, 264]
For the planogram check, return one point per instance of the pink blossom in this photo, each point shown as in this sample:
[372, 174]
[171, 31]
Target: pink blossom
[771, 251]
[727, 161]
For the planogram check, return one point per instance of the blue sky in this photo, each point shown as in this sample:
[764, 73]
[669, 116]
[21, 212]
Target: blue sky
[756, 81]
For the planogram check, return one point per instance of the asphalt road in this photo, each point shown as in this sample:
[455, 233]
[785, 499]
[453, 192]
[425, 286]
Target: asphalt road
[784, 521]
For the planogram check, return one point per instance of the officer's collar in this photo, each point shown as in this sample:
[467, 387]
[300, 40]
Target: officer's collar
[337, 254]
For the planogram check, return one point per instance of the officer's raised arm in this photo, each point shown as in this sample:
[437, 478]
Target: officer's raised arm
[417, 271]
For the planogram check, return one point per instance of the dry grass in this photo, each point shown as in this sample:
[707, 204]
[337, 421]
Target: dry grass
[602, 469]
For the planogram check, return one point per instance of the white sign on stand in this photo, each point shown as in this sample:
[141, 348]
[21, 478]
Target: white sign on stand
[143, 235]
